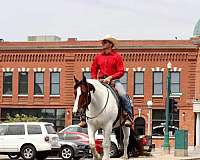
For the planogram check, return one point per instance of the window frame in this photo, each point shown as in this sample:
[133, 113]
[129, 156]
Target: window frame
[138, 83]
[54, 83]
[175, 83]
[20, 82]
[35, 83]
[162, 118]
[5, 82]
[157, 83]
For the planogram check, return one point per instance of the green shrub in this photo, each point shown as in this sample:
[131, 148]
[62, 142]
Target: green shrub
[22, 118]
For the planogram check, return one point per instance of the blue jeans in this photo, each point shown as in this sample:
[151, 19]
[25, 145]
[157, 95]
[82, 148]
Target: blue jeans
[126, 103]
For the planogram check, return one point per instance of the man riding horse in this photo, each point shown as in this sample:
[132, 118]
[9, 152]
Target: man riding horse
[108, 67]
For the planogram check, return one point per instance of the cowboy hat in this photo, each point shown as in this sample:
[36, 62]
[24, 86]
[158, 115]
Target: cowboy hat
[111, 39]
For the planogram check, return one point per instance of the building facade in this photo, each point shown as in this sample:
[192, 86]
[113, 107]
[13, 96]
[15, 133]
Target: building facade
[37, 79]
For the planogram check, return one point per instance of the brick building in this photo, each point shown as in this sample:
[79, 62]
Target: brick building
[37, 79]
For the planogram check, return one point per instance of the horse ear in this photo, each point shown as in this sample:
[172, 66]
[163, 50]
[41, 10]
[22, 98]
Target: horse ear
[76, 80]
[91, 87]
[84, 78]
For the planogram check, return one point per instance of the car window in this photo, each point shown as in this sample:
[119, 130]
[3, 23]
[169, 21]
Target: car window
[50, 129]
[16, 130]
[3, 129]
[76, 129]
[72, 129]
[34, 129]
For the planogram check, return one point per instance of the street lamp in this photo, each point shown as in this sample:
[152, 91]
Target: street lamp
[166, 145]
[149, 106]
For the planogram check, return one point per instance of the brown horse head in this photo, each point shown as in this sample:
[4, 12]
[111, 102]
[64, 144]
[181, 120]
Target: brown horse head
[84, 95]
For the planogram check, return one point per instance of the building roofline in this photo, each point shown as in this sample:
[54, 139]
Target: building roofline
[4, 48]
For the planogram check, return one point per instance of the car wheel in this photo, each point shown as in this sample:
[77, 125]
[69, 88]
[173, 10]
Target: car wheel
[113, 150]
[66, 152]
[28, 152]
[14, 156]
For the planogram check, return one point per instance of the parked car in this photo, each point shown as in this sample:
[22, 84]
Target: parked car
[146, 142]
[80, 137]
[29, 140]
[160, 130]
[75, 150]
[98, 138]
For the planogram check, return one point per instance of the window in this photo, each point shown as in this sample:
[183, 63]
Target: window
[87, 74]
[158, 122]
[175, 82]
[3, 129]
[139, 83]
[157, 83]
[34, 129]
[23, 83]
[39, 83]
[7, 83]
[15, 130]
[124, 80]
[55, 83]
[50, 129]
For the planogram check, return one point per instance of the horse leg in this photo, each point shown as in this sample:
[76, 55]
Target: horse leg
[106, 141]
[126, 132]
[91, 134]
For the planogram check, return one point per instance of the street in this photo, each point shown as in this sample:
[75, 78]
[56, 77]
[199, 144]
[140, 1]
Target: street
[155, 155]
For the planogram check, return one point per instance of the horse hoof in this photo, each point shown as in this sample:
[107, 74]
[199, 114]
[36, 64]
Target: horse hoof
[98, 157]
[124, 158]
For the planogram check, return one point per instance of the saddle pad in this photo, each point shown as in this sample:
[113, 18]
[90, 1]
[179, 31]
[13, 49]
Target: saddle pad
[113, 91]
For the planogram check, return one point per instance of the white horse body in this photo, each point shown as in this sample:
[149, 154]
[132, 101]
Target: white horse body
[101, 113]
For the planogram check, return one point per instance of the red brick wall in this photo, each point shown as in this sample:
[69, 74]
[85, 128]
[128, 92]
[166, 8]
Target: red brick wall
[73, 55]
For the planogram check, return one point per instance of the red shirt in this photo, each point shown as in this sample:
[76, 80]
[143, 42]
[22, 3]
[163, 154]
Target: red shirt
[107, 65]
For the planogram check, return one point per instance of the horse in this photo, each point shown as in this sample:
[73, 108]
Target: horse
[101, 112]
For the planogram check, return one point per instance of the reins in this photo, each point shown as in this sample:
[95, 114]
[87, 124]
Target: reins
[102, 109]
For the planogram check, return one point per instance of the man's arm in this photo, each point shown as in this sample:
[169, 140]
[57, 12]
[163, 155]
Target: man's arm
[94, 69]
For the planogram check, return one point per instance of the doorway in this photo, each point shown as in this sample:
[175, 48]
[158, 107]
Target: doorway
[139, 125]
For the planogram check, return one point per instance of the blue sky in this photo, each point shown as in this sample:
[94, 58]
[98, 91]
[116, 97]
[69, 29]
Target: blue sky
[93, 19]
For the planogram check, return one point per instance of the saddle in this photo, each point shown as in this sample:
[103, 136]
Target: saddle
[121, 113]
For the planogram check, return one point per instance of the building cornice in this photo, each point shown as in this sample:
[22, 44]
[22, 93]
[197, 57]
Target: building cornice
[8, 48]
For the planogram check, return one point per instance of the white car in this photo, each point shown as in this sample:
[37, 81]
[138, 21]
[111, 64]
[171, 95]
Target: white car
[29, 140]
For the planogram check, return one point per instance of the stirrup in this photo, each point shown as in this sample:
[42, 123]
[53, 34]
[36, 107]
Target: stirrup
[83, 124]
[128, 123]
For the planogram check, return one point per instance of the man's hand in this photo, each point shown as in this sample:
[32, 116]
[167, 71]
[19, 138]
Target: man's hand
[107, 80]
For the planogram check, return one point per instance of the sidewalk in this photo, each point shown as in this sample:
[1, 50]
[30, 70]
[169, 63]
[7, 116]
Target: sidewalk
[158, 154]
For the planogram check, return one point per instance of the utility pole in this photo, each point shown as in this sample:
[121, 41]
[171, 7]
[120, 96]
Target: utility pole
[166, 145]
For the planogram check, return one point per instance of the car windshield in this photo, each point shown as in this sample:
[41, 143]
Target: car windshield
[50, 129]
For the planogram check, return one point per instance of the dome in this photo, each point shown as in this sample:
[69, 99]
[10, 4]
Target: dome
[196, 32]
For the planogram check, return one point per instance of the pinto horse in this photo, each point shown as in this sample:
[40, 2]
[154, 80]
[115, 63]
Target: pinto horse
[101, 112]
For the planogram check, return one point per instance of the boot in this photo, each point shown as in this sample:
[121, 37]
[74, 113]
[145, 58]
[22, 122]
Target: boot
[128, 120]
[82, 123]
[128, 123]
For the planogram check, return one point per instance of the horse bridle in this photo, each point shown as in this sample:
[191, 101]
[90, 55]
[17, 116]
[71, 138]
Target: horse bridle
[88, 95]
[102, 109]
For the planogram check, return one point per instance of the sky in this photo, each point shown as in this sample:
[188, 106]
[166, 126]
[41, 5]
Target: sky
[93, 19]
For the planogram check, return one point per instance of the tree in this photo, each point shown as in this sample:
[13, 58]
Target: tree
[22, 118]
